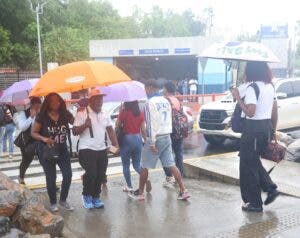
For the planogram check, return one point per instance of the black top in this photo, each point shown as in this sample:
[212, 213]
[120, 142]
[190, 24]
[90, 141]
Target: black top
[58, 131]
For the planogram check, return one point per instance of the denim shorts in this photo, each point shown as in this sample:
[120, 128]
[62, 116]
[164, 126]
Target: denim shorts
[165, 154]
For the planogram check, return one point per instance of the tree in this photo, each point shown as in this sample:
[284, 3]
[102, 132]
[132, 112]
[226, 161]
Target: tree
[66, 44]
[245, 36]
[5, 46]
[169, 24]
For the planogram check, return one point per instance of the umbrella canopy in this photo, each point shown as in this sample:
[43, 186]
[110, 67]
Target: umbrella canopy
[18, 93]
[124, 92]
[247, 51]
[78, 75]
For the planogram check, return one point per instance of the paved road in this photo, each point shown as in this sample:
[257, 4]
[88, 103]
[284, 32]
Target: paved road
[213, 211]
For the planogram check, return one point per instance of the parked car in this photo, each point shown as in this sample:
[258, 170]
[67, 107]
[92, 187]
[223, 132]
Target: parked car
[214, 119]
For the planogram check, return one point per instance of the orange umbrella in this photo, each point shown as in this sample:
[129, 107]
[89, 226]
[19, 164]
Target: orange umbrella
[78, 75]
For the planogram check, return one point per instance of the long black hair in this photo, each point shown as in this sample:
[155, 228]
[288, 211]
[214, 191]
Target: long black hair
[62, 110]
[258, 71]
[133, 107]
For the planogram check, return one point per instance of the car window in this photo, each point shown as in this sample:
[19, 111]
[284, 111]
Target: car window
[296, 86]
[286, 88]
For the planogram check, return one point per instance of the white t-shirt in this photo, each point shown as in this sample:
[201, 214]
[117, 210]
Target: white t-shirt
[158, 116]
[193, 84]
[100, 122]
[264, 104]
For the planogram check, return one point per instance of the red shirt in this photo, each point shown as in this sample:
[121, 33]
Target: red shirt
[131, 124]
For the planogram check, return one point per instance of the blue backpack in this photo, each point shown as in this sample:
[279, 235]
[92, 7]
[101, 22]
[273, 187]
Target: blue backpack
[236, 119]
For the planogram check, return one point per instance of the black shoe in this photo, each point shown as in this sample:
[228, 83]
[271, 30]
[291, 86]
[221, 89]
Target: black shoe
[250, 208]
[272, 195]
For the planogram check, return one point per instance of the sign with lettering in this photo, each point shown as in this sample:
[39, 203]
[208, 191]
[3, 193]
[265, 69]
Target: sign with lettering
[126, 52]
[154, 51]
[182, 51]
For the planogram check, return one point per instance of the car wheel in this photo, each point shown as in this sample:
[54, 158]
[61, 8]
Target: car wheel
[215, 140]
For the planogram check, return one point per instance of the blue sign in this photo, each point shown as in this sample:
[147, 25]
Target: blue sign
[154, 51]
[125, 52]
[274, 31]
[182, 50]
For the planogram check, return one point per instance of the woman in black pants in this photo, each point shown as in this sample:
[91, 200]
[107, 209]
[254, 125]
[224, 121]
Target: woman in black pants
[24, 121]
[51, 128]
[260, 109]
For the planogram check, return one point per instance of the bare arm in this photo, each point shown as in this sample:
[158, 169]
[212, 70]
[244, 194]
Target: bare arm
[112, 136]
[144, 131]
[77, 130]
[35, 133]
[274, 117]
[118, 123]
[248, 109]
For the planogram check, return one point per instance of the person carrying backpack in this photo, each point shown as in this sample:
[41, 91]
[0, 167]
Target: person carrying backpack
[179, 131]
[259, 127]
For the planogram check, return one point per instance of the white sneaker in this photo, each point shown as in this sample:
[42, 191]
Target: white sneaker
[127, 189]
[66, 206]
[54, 208]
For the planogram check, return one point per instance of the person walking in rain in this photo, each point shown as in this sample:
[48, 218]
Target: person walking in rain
[158, 145]
[260, 109]
[93, 149]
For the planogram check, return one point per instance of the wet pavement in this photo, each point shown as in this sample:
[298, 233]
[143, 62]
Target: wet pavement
[214, 210]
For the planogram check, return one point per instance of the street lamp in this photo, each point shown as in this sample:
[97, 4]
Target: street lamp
[39, 9]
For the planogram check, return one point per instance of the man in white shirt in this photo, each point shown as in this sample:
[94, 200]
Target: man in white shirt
[193, 86]
[91, 124]
[158, 116]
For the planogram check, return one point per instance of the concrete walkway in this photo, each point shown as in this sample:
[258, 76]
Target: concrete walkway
[225, 167]
[214, 210]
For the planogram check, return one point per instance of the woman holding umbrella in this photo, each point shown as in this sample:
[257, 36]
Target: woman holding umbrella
[51, 128]
[260, 108]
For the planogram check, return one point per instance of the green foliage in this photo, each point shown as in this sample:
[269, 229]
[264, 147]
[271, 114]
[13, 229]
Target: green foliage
[248, 37]
[5, 46]
[66, 44]
[168, 24]
[66, 30]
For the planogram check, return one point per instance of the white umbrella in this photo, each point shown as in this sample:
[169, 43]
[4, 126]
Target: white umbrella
[247, 51]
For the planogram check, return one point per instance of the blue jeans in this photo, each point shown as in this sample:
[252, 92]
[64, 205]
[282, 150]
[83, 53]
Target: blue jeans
[177, 145]
[131, 149]
[9, 137]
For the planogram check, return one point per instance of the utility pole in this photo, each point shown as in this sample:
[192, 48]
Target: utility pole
[39, 10]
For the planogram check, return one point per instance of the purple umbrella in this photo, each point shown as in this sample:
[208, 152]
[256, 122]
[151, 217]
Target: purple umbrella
[18, 93]
[124, 92]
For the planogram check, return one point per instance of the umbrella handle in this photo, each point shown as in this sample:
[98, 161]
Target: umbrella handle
[90, 128]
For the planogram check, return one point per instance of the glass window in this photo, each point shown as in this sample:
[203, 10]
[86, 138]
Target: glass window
[296, 86]
[286, 88]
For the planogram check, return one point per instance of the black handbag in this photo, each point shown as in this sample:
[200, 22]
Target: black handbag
[22, 140]
[51, 154]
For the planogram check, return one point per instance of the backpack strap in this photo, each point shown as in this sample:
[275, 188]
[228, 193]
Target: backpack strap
[256, 89]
